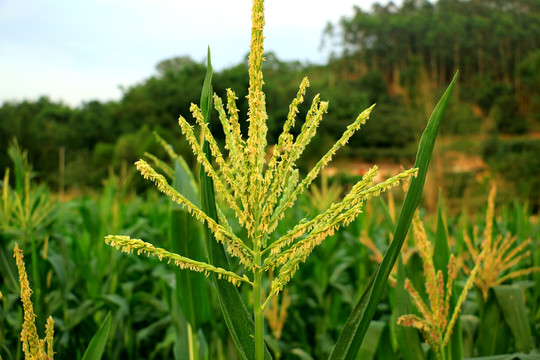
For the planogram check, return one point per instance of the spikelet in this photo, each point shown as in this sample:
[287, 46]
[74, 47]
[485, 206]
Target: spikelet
[328, 223]
[276, 314]
[502, 253]
[234, 245]
[233, 139]
[289, 201]
[128, 245]
[214, 149]
[163, 166]
[167, 147]
[285, 136]
[49, 335]
[201, 158]
[33, 346]
[237, 135]
[302, 227]
[291, 153]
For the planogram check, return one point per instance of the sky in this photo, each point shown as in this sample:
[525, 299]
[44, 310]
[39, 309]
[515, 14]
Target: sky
[83, 50]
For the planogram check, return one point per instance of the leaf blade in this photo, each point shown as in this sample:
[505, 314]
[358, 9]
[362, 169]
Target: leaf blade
[95, 349]
[353, 333]
[185, 238]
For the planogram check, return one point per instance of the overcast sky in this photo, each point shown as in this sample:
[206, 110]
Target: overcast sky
[80, 50]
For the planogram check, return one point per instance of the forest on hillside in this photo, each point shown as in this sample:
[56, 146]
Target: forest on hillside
[400, 57]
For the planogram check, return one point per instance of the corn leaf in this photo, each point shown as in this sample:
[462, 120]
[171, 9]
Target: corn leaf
[441, 251]
[493, 333]
[237, 318]
[97, 344]
[512, 303]
[368, 350]
[186, 239]
[354, 330]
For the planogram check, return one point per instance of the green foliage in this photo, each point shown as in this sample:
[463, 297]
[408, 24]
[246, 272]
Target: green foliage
[528, 74]
[507, 117]
[88, 279]
[518, 163]
[445, 35]
[461, 120]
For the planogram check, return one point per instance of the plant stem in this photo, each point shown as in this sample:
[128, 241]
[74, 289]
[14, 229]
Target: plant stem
[193, 343]
[257, 309]
[442, 351]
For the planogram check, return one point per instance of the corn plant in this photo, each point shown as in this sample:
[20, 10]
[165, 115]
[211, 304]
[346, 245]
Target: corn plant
[504, 324]
[26, 213]
[437, 319]
[259, 191]
[503, 253]
[33, 346]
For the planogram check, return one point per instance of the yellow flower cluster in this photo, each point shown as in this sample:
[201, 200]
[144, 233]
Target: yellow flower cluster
[502, 253]
[258, 190]
[437, 322]
[34, 348]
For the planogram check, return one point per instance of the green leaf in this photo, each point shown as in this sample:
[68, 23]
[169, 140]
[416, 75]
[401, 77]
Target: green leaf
[387, 216]
[373, 337]
[237, 318]
[493, 333]
[441, 251]
[386, 348]
[470, 325]
[186, 239]
[354, 330]
[512, 303]
[8, 270]
[97, 344]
